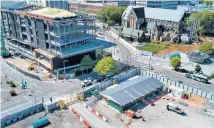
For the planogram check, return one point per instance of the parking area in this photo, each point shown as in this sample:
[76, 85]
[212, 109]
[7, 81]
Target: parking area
[159, 117]
[58, 119]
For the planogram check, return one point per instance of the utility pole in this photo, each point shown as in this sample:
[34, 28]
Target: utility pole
[149, 62]
[34, 94]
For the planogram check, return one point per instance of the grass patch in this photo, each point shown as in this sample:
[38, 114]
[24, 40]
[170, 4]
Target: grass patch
[154, 47]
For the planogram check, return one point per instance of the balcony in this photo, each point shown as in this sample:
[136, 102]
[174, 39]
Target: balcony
[72, 40]
[72, 30]
[67, 52]
[22, 50]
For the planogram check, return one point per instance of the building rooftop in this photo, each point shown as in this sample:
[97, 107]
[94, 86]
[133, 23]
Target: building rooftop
[155, 13]
[52, 13]
[131, 90]
[198, 55]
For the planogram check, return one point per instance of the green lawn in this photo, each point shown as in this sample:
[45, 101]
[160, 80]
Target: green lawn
[154, 48]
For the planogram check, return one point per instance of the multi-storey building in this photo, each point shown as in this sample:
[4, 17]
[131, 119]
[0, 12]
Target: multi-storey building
[88, 8]
[157, 4]
[49, 35]
[61, 4]
[113, 2]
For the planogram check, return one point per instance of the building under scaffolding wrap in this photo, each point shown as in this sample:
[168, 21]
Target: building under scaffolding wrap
[49, 35]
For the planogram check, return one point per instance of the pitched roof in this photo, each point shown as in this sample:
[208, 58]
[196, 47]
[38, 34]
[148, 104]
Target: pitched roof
[134, 89]
[164, 14]
[132, 32]
[156, 13]
[139, 12]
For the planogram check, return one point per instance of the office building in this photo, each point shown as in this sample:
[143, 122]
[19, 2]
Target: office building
[157, 4]
[52, 37]
[61, 4]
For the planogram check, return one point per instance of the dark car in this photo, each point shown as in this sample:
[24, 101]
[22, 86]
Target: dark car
[99, 78]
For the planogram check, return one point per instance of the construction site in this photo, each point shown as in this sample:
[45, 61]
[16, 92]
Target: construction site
[53, 38]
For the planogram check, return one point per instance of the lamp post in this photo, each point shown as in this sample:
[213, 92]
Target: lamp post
[64, 61]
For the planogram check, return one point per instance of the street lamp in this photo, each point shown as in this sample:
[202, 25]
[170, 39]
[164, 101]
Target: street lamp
[64, 61]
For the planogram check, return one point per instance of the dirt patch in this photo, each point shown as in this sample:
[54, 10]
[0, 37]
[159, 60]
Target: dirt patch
[183, 48]
[208, 38]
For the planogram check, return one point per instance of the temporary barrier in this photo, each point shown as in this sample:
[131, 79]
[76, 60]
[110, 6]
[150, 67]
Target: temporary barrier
[80, 118]
[95, 112]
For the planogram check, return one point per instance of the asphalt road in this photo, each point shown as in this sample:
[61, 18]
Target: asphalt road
[36, 90]
[160, 65]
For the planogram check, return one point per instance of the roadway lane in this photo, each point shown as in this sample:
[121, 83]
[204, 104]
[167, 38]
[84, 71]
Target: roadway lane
[160, 65]
[93, 120]
[17, 103]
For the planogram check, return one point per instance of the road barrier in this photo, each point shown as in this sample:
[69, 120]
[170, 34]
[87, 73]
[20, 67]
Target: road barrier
[80, 118]
[9, 119]
[187, 88]
[96, 112]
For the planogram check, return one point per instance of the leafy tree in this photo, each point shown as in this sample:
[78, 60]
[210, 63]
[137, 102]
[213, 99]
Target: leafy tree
[206, 22]
[86, 62]
[206, 47]
[208, 2]
[105, 65]
[111, 15]
[197, 68]
[175, 62]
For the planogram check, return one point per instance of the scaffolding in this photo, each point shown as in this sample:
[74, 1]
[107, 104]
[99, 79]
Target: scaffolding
[194, 28]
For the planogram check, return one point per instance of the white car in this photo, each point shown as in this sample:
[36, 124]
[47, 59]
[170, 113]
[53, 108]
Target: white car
[174, 107]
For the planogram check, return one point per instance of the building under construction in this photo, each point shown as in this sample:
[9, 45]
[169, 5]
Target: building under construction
[55, 38]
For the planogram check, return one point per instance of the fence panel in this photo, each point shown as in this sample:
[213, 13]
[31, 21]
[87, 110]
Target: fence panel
[185, 87]
[212, 98]
[181, 86]
[190, 89]
[199, 92]
[204, 94]
[194, 90]
[209, 95]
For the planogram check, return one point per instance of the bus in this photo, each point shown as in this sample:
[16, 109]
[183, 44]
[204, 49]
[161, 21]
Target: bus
[197, 77]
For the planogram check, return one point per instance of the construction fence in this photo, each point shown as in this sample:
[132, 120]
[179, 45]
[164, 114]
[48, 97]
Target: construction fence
[191, 90]
[115, 80]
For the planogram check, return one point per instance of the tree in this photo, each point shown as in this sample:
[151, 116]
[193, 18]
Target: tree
[208, 2]
[86, 62]
[206, 21]
[111, 15]
[175, 62]
[105, 65]
[197, 68]
[206, 47]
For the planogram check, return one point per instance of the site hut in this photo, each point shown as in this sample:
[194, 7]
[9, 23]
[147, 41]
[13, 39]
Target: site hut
[127, 94]
[55, 38]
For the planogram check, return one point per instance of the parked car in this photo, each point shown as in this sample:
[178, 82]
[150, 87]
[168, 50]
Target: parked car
[87, 82]
[99, 78]
[181, 70]
[108, 75]
[174, 107]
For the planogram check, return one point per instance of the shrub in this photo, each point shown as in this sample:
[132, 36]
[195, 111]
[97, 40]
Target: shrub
[13, 93]
[12, 84]
[30, 68]
[197, 68]
[211, 76]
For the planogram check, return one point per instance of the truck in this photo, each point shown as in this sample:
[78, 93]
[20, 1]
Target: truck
[174, 107]
[197, 77]
[133, 114]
